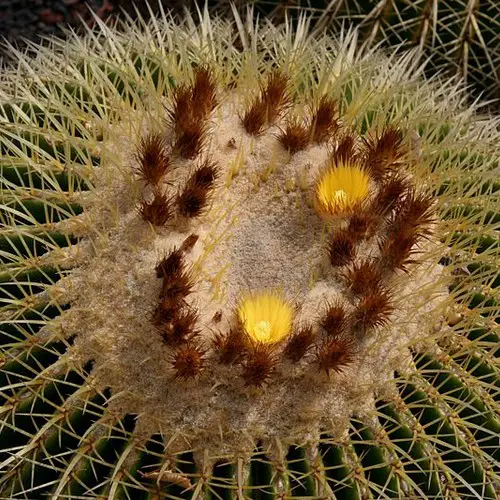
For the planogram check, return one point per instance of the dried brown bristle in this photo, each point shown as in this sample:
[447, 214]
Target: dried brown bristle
[204, 91]
[295, 137]
[324, 123]
[192, 201]
[364, 277]
[398, 249]
[299, 343]
[341, 248]
[266, 109]
[254, 120]
[157, 211]
[345, 151]
[334, 320]
[415, 213]
[170, 265]
[335, 354]
[363, 224]
[165, 311]
[390, 194]
[373, 310]
[189, 112]
[205, 175]
[189, 242]
[177, 287]
[188, 361]
[190, 140]
[259, 364]
[152, 158]
[181, 328]
[181, 111]
[383, 153]
[230, 346]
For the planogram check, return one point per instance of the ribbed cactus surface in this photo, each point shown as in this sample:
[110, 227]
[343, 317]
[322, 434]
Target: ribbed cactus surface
[243, 261]
[459, 37]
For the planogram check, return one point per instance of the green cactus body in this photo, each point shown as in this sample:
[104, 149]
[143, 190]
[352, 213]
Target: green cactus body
[244, 261]
[457, 37]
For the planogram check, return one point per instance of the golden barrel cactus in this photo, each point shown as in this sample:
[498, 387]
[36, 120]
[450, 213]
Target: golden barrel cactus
[242, 260]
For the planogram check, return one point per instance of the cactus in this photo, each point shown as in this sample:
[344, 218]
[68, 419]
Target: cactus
[457, 37]
[244, 261]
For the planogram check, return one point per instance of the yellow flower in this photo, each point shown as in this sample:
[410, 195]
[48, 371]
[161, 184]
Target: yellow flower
[266, 316]
[341, 188]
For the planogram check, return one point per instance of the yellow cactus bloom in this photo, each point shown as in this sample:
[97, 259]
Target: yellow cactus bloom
[266, 316]
[341, 188]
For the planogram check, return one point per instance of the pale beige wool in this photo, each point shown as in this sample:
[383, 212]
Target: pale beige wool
[260, 231]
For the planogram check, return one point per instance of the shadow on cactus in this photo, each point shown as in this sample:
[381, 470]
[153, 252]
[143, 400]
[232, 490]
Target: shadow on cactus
[243, 261]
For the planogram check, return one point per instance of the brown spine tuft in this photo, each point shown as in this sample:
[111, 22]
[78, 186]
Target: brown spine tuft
[189, 243]
[190, 140]
[230, 346]
[324, 123]
[341, 248]
[192, 201]
[188, 361]
[363, 224]
[335, 319]
[364, 277]
[204, 98]
[205, 175]
[259, 364]
[345, 151]
[299, 343]
[158, 211]
[190, 110]
[335, 354]
[267, 108]
[390, 195]
[153, 159]
[180, 328]
[170, 265]
[373, 310]
[295, 137]
[177, 287]
[383, 153]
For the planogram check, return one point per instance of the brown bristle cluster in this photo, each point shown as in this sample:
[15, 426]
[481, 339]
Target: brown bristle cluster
[404, 231]
[157, 211]
[153, 159]
[177, 287]
[188, 361]
[335, 354]
[299, 344]
[345, 150]
[363, 277]
[373, 310]
[204, 93]
[390, 194]
[295, 137]
[341, 248]
[266, 109]
[174, 320]
[324, 122]
[363, 224]
[189, 242]
[192, 201]
[190, 110]
[334, 320]
[170, 265]
[230, 346]
[259, 364]
[383, 153]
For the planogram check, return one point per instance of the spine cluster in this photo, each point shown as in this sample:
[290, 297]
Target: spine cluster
[395, 217]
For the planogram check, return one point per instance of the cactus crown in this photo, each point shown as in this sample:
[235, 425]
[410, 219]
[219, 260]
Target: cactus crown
[246, 237]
